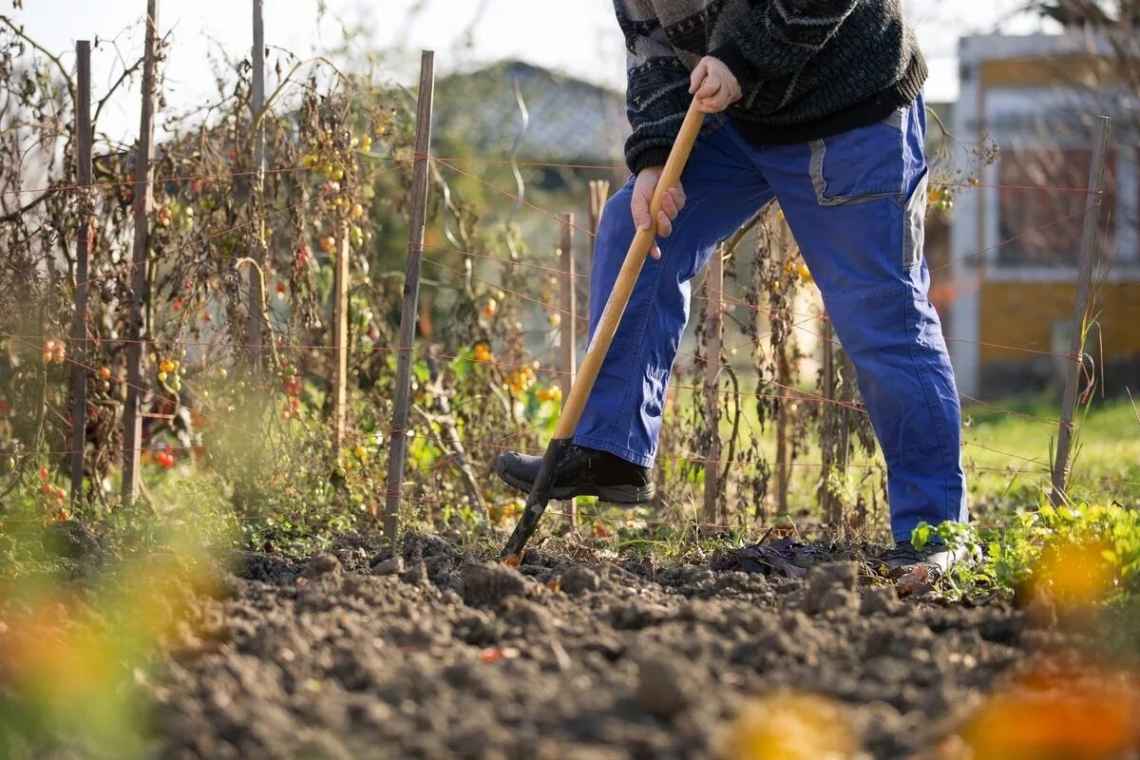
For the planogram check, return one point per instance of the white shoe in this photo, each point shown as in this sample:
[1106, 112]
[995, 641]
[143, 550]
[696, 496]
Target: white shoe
[904, 558]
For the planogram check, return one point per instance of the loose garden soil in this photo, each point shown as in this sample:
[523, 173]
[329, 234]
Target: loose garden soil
[438, 653]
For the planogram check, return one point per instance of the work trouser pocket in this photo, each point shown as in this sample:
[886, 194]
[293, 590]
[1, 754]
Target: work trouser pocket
[861, 165]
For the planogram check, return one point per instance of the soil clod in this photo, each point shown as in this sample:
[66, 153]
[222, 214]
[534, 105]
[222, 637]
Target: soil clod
[832, 586]
[488, 583]
[663, 687]
[881, 600]
[322, 564]
[579, 580]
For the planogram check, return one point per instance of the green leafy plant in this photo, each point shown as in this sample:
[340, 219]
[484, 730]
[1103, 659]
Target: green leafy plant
[1030, 546]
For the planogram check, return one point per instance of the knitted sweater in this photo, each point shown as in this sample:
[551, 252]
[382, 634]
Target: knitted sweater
[808, 68]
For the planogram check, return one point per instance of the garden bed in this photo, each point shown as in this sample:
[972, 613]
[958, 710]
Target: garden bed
[438, 653]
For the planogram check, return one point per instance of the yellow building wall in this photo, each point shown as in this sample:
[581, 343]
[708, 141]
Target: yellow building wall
[1021, 314]
[1051, 71]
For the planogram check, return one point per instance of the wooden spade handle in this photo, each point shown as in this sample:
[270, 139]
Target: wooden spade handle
[627, 278]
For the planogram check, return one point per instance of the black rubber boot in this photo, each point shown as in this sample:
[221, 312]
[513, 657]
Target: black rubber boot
[581, 472]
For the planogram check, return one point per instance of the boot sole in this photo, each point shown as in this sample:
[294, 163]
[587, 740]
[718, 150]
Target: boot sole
[625, 495]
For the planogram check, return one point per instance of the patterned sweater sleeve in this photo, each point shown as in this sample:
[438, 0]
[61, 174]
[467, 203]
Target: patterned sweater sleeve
[658, 88]
[768, 47]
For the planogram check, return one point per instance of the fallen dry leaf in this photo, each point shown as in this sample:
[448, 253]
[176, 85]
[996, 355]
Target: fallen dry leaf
[914, 583]
[492, 655]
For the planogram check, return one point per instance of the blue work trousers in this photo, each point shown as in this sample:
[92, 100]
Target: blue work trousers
[856, 204]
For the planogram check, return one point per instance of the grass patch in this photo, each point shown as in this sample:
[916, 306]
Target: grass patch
[1105, 468]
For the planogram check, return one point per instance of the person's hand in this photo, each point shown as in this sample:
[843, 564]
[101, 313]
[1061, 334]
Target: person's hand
[671, 205]
[713, 85]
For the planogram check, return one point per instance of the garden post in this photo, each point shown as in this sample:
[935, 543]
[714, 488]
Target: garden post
[340, 336]
[714, 325]
[568, 322]
[398, 435]
[255, 329]
[78, 349]
[143, 200]
[1095, 197]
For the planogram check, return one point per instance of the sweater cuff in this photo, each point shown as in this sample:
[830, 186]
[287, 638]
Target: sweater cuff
[729, 54]
[648, 158]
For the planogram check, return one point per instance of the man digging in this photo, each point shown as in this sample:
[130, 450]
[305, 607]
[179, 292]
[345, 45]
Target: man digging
[816, 104]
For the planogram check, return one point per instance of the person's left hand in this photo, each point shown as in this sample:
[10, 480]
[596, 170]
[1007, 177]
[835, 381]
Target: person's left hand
[713, 85]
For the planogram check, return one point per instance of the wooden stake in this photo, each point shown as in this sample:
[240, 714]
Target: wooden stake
[255, 329]
[828, 504]
[783, 377]
[340, 337]
[782, 464]
[568, 345]
[257, 94]
[398, 438]
[1095, 199]
[714, 327]
[599, 194]
[137, 329]
[78, 349]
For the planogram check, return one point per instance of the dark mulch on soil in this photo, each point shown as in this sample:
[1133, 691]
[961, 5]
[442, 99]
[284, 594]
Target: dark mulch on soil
[438, 654]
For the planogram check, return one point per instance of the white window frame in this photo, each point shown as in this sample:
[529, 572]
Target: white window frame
[1026, 102]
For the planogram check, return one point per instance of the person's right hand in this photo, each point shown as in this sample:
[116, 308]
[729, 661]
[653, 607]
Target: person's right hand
[671, 205]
